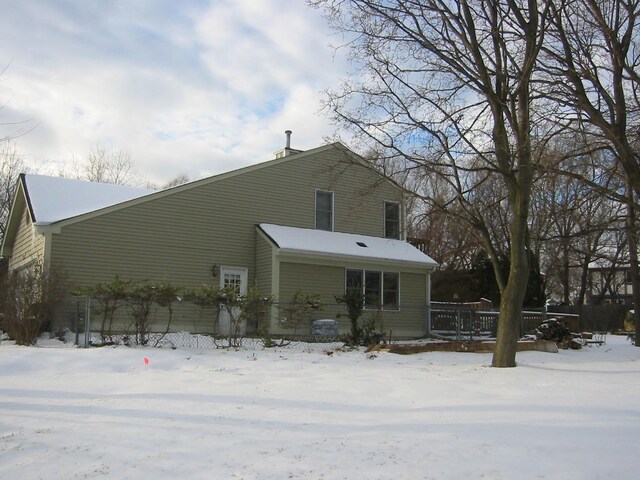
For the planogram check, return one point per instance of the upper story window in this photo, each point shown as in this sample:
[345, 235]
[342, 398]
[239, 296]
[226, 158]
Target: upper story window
[392, 220]
[324, 210]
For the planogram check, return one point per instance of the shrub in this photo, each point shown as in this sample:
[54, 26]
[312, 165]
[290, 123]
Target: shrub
[110, 297]
[354, 303]
[239, 309]
[165, 295]
[29, 298]
[298, 311]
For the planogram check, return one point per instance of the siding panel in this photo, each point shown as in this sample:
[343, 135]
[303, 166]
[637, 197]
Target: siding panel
[179, 237]
[328, 281]
[28, 245]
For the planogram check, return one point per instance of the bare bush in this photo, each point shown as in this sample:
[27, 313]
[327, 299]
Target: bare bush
[29, 298]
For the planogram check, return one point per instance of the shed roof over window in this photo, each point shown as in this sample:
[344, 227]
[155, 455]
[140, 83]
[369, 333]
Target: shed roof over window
[319, 242]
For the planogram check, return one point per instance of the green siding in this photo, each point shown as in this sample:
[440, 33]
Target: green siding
[328, 281]
[179, 236]
[28, 246]
[263, 270]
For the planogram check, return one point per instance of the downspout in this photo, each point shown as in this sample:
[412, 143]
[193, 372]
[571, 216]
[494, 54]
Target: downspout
[428, 303]
[46, 260]
[47, 232]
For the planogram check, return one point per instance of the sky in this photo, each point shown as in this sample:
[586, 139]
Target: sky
[195, 87]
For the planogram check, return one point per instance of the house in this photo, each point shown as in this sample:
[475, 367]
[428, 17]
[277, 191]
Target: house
[313, 220]
[609, 282]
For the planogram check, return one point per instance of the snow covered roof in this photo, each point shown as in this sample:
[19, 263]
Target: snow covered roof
[320, 242]
[53, 198]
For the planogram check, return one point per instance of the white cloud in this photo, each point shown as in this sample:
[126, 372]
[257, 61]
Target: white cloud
[186, 87]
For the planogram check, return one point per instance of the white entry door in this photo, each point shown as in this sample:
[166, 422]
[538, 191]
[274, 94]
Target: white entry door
[236, 278]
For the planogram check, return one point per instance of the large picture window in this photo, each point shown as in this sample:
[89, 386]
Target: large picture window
[380, 289]
[392, 220]
[324, 210]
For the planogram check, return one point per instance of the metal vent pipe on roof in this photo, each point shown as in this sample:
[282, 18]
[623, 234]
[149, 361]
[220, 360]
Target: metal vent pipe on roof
[288, 134]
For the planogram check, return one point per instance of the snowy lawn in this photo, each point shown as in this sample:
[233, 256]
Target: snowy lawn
[69, 413]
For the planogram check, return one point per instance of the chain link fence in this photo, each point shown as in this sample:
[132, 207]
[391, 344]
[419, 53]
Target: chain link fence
[186, 325]
[88, 321]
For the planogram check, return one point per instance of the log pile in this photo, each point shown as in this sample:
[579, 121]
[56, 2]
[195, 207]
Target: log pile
[555, 330]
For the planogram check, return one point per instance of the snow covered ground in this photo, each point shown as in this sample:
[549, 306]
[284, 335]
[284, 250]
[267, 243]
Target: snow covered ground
[69, 413]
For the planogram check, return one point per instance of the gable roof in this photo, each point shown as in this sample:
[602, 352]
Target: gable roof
[331, 244]
[352, 156]
[77, 207]
[52, 199]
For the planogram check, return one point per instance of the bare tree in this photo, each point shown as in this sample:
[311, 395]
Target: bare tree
[572, 219]
[446, 241]
[175, 181]
[445, 87]
[592, 62]
[11, 165]
[107, 165]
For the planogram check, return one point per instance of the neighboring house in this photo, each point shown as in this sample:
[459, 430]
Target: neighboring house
[609, 282]
[313, 221]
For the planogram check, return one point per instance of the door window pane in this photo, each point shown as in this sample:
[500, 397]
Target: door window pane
[233, 280]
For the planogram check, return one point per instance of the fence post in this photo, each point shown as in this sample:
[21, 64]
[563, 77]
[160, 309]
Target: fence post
[428, 318]
[472, 323]
[76, 323]
[458, 326]
[87, 322]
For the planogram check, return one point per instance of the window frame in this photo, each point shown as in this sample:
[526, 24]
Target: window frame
[396, 305]
[331, 212]
[387, 221]
[380, 304]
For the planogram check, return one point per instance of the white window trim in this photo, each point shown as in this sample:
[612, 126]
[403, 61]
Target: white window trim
[382, 272]
[244, 274]
[400, 218]
[333, 207]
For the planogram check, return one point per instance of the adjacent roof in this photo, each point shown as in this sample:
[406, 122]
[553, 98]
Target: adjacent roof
[52, 199]
[319, 242]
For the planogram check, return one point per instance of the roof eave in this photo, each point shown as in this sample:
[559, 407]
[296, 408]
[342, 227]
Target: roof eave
[344, 258]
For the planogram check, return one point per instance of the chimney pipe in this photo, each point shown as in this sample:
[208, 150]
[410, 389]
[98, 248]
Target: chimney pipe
[288, 134]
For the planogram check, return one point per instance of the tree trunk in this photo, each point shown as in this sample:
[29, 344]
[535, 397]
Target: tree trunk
[566, 289]
[510, 320]
[633, 260]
